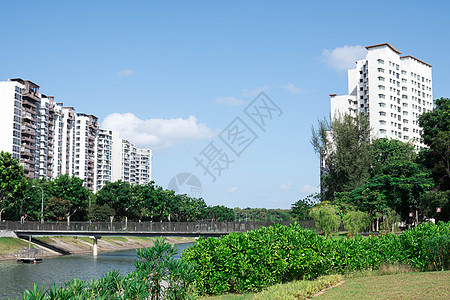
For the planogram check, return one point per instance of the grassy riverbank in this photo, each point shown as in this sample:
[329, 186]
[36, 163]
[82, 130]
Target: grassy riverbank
[78, 245]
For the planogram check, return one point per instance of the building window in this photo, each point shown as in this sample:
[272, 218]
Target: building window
[381, 70]
[381, 96]
[382, 113]
[380, 61]
[383, 131]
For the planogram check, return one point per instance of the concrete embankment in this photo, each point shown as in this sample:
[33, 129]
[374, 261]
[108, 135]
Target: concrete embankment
[54, 246]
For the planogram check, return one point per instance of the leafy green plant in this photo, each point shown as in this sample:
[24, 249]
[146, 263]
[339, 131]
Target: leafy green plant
[326, 218]
[157, 264]
[355, 221]
[252, 261]
[438, 249]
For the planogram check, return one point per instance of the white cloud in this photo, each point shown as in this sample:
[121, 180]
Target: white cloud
[125, 73]
[255, 92]
[309, 189]
[231, 101]
[286, 186]
[343, 58]
[291, 88]
[232, 189]
[157, 133]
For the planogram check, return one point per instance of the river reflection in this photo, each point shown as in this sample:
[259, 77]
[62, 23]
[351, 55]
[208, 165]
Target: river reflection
[17, 277]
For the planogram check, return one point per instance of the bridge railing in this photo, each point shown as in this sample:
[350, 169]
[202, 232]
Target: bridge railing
[181, 227]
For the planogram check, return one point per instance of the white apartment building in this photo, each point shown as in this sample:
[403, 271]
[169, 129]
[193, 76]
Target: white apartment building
[68, 141]
[11, 118]
[104, 157]
[86, 138]
[392, 90]
[130, 164]
[50, 140]
[143, 166]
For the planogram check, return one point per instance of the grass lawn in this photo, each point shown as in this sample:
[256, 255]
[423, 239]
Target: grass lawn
[364, 285]
[10, 245]
[417, 285]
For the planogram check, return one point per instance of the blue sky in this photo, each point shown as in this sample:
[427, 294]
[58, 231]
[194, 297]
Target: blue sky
[173, 75]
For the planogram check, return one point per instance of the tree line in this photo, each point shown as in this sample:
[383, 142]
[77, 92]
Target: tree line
[385, 179]
[65, 198]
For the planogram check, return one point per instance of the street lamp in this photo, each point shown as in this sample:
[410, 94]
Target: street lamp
[42, 205]
[21, 204]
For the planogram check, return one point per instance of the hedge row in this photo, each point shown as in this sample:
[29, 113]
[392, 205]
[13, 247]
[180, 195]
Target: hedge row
[251, 261]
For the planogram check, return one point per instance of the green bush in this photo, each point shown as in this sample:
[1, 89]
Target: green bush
[438, 249]
[251, 261]
[326, 218]
[355, 221]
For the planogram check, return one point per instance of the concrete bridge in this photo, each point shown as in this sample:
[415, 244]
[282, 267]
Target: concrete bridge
[96, 230]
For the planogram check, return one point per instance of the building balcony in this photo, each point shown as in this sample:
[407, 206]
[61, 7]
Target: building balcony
[29, 103]
[26, 153]
[27, 168]
[29, 147]
[31, 94]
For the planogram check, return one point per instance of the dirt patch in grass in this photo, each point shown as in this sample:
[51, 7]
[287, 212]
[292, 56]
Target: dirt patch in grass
[417, 285]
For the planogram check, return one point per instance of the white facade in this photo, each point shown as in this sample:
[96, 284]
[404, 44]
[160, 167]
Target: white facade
[143, 166]
[391, 89]
[104, 158]
[68, 141]
[129, 163]
[86, 138]
[10, 117]
[51, 140]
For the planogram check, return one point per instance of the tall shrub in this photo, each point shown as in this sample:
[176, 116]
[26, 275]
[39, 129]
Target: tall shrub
[326, 219]
[355, 221]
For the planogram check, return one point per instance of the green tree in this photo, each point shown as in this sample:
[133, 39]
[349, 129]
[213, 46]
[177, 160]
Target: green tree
[57, 208]
[300, 209]
[434, 199]
[71, 190]
[345, 153]
[355, 221]
[118, 196]
[401, 186]
[102, 213]
[325, 218]
[436, 135]
[12, 181]
[435, 121]
[219, 213]
[387, 151]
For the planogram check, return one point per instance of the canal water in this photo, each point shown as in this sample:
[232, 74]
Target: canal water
[16, 277]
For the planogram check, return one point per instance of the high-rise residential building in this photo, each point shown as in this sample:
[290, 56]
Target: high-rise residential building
[11, 119]
[130, 164]
[50, 140]
[68, 140]
[392, 89]
[143, 166]
[57, 140]
[86, 134]
[50, 123]
[104, 158]
[30, 128]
